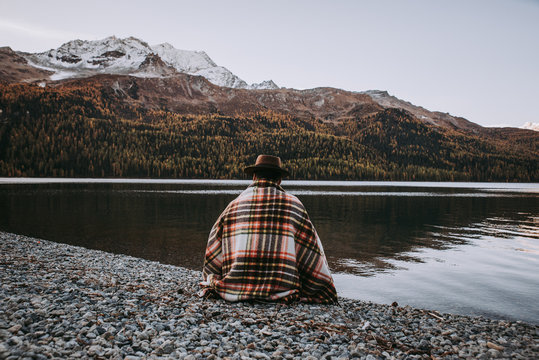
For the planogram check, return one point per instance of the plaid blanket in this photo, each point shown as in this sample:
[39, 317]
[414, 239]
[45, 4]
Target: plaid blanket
[264, 247]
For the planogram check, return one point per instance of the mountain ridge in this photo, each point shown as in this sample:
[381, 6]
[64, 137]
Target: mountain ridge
[112, 55]
[324, 103]
[130, 56]
[109, 129]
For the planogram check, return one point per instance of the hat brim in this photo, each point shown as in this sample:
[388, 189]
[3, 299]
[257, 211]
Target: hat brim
[251, 169]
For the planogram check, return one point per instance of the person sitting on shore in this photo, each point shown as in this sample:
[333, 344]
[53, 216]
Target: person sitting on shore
[264, 246]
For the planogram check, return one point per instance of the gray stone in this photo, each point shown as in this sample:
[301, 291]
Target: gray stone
[167, 347]
[95, 350]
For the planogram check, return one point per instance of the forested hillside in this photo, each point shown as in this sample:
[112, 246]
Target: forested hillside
[85, 132]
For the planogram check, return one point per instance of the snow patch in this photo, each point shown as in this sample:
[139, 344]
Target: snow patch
[319, 103]
[60, 75]
[376, 93]
[222, 76]
[264, 85]
[183, 60]
[530, 126]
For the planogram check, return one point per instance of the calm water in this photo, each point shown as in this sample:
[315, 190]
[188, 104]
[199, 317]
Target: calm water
[454, 247]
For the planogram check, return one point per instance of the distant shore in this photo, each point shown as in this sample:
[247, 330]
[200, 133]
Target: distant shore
[59, 301]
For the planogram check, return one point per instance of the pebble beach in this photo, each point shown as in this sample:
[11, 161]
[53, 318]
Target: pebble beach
[61, 301]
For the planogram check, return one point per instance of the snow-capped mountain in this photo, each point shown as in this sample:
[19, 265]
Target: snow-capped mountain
[268, 84]
[531, 126]
[199, 63]
[131, 56]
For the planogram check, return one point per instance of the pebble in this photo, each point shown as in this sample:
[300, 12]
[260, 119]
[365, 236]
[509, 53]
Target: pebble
[61, 301]
[494, 346]
[15, 328]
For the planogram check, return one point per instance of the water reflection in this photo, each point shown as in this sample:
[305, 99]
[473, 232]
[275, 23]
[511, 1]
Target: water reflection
[377, 233]
[492, 271]
[371, 230]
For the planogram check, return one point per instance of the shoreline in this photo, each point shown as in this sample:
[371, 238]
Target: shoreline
[529, 187]
[61, 301]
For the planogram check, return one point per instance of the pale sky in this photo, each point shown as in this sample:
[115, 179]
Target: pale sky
[478, 59]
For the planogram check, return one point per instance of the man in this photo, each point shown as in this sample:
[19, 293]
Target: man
[264, 247]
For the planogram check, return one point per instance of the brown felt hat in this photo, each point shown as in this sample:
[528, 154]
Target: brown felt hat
[267, 162]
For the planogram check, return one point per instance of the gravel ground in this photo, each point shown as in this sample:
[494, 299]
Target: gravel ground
[61, 301]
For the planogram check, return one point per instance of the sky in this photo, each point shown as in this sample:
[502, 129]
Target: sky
[478, 59]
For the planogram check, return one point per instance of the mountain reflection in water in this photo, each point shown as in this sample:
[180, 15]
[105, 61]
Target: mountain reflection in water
[469, 249]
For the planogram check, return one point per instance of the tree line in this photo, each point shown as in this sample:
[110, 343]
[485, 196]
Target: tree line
[83, 132]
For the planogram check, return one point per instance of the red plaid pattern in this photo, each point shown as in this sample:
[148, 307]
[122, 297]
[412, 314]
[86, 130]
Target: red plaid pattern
[264, 247]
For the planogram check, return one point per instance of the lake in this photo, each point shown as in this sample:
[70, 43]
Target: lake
[465, 248]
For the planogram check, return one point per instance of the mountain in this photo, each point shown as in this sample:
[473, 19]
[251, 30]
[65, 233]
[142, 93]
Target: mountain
[195, 95]
[15, 68]
[119, 107]
[110, 126]
[432, 117]
[78, 58]
[186, 94]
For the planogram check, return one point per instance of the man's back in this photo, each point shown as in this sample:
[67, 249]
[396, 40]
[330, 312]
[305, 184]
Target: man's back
[264, 247]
